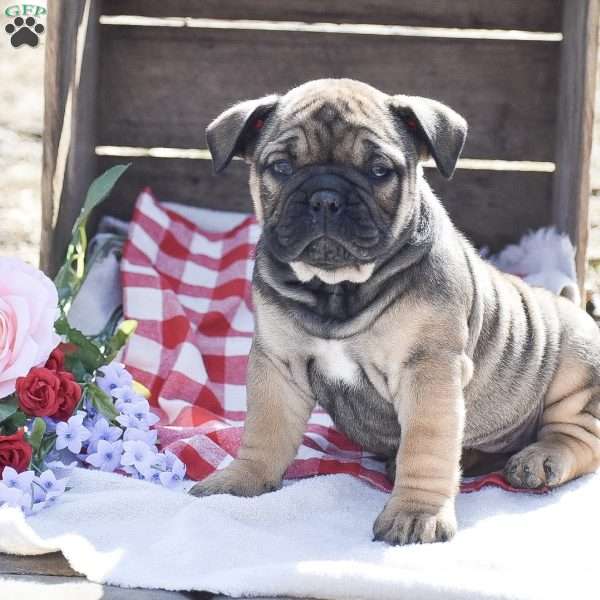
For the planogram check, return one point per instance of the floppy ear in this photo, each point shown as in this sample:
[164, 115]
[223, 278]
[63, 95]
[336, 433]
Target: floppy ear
[441, 129]
[232, 132]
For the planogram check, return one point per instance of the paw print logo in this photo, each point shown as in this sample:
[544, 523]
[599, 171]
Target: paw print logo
[24, 31]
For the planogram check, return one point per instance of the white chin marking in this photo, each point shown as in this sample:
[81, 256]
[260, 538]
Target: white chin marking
[354, 274]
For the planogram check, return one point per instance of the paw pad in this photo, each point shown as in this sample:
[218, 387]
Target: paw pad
[24, 32]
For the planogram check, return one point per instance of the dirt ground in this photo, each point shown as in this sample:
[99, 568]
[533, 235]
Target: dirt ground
[21, 117]
[21, 124]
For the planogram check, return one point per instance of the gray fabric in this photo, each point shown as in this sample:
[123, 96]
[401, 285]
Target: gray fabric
[97, 307]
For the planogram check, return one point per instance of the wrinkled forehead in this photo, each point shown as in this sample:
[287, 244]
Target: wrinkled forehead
[333, 127]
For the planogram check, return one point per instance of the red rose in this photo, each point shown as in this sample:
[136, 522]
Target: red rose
[56, 360]
[38, 392]
[15, 452]
[69, 394]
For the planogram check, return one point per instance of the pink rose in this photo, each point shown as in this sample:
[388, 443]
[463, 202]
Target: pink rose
[28, 309]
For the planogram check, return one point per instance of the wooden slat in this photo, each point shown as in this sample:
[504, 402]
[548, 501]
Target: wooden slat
[161, 86]
[490, 207]
[69, 122]
[529, 15]
[178, 180]
[495, 208]
[571, 194]
[45, 587]
[44, 564]
[57, 74]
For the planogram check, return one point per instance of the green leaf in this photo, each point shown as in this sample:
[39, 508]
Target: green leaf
[75, 365]
[8, 408]
[71, 274]
[119, 339]
[87, 352]
[47, 444]
[99, 190]
[102, 402]
[36, 436]
[13, 423]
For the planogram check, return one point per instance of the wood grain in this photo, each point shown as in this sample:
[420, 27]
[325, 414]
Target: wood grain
[57, 74]
[47, 587]
[529, 15]
[69, 122]
[571, 193]
[490, 207]
[161, 86]
[44, 564]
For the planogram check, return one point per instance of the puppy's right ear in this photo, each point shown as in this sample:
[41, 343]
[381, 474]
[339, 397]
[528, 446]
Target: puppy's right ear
[233, 132]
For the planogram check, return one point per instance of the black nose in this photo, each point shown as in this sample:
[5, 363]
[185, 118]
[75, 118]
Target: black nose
[326, 200]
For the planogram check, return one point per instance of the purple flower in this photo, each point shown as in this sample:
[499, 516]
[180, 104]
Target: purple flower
[139, 455]
[62, 462]
[50, 424]
[125, 395]
[28, 492]
[45, 488]
[72, 434]
[107, 456]
[49, 500]
[13, 496]
[152, 475]
[113, 376]
[102, 430]
[21, 481]
[89, 408]
[137, 415]
[48, 482]
[134, 435]
[160, 461]
[175, 474]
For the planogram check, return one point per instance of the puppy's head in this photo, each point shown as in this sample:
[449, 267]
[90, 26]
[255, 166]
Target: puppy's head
[334, 166]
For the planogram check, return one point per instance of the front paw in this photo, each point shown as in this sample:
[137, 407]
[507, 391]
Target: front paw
[235, 481]
[399, 526]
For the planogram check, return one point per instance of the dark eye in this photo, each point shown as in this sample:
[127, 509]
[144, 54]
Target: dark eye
[379, 171]
[282, 167]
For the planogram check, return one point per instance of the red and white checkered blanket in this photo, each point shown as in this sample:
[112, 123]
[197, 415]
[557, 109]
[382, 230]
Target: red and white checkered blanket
[189, 290]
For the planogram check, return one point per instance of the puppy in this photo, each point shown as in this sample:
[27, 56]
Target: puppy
[370, 302]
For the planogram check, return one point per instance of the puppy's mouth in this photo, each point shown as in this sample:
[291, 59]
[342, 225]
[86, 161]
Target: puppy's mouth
[326, 253]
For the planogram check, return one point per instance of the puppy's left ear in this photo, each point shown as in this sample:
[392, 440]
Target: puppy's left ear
[442, 130]
[234, 131]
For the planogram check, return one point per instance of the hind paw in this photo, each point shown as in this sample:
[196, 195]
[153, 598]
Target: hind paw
[536, 466]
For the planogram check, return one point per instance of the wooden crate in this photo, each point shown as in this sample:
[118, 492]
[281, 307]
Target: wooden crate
[120, 88]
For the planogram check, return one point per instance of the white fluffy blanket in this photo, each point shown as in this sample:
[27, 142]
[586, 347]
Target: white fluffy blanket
[313, 538]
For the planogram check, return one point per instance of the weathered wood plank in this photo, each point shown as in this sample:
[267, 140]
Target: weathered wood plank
[161, 86]
[50, 577]
[532, 15]
[58, 67]
[178, 180]
[571, 192]
[495, 208]
[44, 564]
[491, 207]
[77, 588]
[69, 121]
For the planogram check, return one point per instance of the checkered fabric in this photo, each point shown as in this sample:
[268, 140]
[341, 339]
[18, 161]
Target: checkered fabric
[189, 290]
